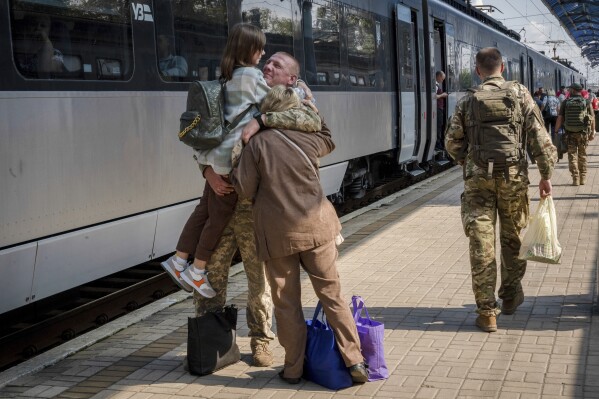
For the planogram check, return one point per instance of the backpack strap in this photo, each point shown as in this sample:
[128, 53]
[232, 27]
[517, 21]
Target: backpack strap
[298, 149]
[232, 125]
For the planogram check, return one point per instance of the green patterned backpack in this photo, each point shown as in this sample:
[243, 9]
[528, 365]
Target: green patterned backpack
[576, 115]
[203, 125]
[494, 127]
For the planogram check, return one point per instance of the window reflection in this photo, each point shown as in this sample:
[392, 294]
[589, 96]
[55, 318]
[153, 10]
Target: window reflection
[72, 39]
[190, 37]
[321, 42]
[465, 66]
[274, 18]
[361, 45]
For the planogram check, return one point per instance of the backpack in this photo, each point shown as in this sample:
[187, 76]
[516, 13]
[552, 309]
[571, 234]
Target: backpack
[576, 115]
[494, 127]
[203, 125]
[552, 104]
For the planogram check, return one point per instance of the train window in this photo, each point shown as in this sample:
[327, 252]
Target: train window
[515, 69]
[451, 59]
[72, 40]
[321, 42]
[190, 37]
[274, 20]
[465, 67]
[405, 45]
[361, 43]
[475, 78]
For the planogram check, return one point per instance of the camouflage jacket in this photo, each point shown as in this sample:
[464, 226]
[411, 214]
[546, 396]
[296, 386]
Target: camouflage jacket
[538, 142]
[301, 119]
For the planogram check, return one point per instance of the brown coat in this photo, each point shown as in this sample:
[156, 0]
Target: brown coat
[291, 213]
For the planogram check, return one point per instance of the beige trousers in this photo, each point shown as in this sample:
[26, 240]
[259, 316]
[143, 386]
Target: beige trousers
[284, 277]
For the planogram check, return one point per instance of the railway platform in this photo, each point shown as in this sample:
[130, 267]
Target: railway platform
[408, 257]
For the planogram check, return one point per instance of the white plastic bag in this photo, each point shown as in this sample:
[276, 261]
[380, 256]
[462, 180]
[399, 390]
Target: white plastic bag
[540, 239]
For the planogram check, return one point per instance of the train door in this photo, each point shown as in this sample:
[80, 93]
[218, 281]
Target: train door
[408, 87]
[439, 115]
[450, 78]
[423, 86]
[523, 70]
[558, 75]
[531, 75]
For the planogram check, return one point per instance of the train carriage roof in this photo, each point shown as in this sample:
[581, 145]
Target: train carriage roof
[581, 19]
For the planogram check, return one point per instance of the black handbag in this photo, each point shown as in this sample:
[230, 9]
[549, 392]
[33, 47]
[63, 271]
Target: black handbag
[562, 144]
[211, 341]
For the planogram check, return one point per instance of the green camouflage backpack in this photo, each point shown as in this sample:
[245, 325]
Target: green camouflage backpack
[203, 125]
[494, 127]
[576, 114]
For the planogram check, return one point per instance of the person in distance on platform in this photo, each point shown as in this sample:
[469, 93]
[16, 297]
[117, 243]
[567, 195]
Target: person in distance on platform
[494, 189]
[550, 110]
[537, 99]
[578, 119]
[595, 104]
[279, 170]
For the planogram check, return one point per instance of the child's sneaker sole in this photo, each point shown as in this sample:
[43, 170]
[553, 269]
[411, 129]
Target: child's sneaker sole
[169, 267]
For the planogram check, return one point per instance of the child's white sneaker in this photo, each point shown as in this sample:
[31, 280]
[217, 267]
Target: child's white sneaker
[199, 282]
[174, 269]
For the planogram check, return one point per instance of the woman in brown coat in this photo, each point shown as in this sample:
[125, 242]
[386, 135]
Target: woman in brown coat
[296, 225]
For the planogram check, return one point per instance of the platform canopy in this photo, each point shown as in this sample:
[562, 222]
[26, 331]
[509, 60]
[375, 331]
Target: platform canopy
[581, 19]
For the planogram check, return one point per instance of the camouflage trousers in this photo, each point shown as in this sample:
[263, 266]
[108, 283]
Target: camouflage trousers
[239, 232]
[483, 201]
[577, 153]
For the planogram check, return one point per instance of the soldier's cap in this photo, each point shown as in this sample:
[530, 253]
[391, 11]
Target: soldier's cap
[575, 86]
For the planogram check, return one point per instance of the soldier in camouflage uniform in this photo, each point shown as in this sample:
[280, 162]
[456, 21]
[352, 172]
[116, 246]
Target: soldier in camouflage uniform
[577, 141]
[283, 69]
[239, 233]
[503, 195]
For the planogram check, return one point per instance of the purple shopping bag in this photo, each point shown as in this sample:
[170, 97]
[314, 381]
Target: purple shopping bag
[371, 335]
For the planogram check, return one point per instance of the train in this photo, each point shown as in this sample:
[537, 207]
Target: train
[94, 179]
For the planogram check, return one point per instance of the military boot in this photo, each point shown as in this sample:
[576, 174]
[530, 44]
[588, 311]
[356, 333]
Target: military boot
[583, 180]
[487, 323]
[509, 306]
[575, 181]
[261, 355]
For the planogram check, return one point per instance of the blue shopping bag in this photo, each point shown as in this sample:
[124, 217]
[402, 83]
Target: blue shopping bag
[323, 363]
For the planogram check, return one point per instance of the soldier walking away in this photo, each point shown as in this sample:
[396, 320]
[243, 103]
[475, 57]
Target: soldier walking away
[488, 134]
[577, 117]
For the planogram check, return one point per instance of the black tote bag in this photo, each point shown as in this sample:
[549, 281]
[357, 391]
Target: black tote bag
[211, 341]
